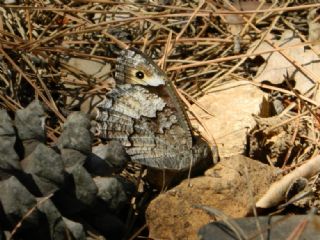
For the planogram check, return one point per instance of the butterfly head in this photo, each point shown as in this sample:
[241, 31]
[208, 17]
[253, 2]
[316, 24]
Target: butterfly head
[134, 67]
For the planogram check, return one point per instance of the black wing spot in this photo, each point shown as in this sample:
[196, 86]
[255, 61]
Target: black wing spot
[140, 75]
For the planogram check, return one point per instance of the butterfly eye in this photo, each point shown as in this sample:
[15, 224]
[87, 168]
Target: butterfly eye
[140, 75]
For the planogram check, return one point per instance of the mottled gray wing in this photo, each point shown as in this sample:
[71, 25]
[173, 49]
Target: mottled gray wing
[134, 67]
[148, 128]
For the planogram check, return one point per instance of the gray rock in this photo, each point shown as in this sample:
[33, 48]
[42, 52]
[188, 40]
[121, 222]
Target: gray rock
[114, 191]
[72, 157]
[76, 134]
[16, 202]
[106, 156]
[76, 229]
[77, 138]
[29, 145]
[9, 160]
[46, 168]
[56, 225]
[79, 193]
[98, 166]
[30, 122]
[78, 119]
[6, 127]
[84, 186]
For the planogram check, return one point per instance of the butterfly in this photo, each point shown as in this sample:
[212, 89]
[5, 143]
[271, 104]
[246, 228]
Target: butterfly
[144, 113]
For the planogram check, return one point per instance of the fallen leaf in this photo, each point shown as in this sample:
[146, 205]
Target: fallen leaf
[276, 66]
[231, 107]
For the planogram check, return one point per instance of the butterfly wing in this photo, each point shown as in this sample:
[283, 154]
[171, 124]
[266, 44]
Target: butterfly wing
[134, 67]
[147, 127]
[144, 113]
